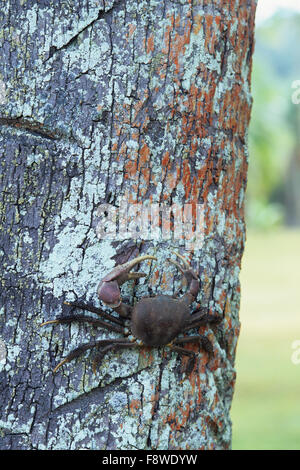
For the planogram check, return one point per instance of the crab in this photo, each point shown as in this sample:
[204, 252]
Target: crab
[153, 321]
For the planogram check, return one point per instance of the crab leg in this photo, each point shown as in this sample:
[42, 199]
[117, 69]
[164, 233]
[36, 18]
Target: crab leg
[115, 346]
[205, 343]
[186, 352]
[99, 312]
[202, 340]
[107, 343]
[85, 319]
[197, 320]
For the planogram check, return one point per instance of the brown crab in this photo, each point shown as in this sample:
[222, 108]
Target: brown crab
[153, 321]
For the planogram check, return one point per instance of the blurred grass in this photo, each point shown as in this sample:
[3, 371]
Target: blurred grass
[266, 405]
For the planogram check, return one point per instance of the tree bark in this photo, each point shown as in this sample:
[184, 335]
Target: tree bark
[100, 101]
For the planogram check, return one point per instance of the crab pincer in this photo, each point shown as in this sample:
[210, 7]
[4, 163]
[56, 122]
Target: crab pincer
[109, 288]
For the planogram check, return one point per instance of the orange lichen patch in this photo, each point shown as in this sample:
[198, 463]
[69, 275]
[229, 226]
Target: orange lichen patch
[235, 113]
[130, 169]
[144, 182]
[147, 353]
[150, 44]
[144, 155]
[197, 24]
[218, 21]
[164, 282]
[166, 159]
[134, 406]
[114, 147]
[194, 145]
[156, 274]
[179, 418]
[208, 25]
[131, 29]
[178, 42]
[186, 178]
[171, 181]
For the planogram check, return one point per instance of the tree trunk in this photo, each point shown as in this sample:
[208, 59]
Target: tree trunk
[101, 102]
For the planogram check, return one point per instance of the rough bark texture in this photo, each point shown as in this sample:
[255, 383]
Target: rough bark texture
[101, 99]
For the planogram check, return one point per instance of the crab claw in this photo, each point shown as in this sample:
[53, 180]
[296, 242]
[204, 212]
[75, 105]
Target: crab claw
[188, 273]
[109, 288]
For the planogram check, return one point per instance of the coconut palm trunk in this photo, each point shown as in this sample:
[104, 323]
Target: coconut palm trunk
[123, 127]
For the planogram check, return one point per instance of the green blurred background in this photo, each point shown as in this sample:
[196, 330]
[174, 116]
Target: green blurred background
[266, 405]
